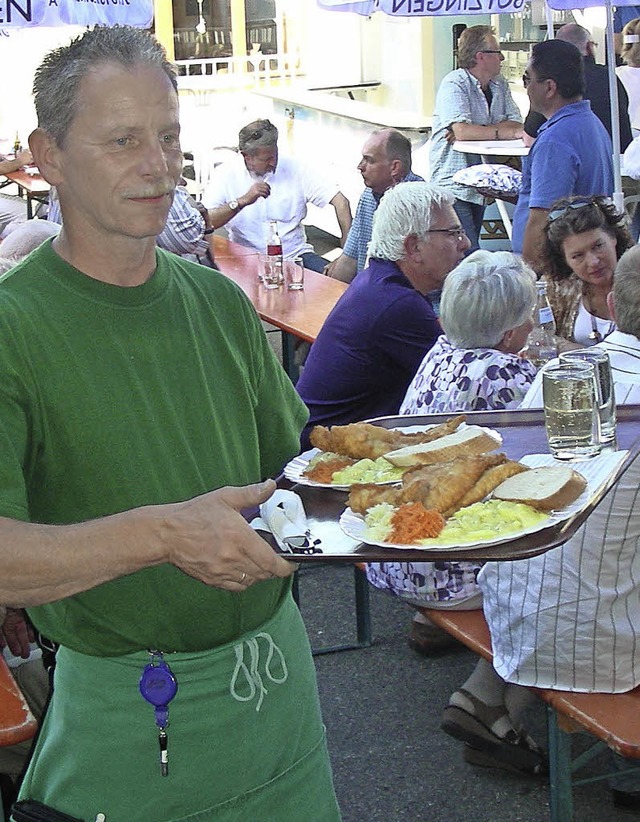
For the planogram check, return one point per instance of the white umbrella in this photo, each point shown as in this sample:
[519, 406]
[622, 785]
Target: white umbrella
[15, 15]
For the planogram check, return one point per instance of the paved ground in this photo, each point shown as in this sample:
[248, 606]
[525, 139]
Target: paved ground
[382, 709]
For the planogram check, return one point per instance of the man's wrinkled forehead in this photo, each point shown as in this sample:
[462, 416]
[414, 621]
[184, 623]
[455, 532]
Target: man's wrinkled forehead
[95, 85]
[375, 148]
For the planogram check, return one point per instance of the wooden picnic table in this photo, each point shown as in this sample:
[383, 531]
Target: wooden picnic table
[33, 186]
[298, 314]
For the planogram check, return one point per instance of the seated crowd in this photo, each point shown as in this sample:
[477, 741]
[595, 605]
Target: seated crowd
[427, 327]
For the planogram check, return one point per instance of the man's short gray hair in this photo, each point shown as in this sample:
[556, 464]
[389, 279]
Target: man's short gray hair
[575, 34]
[57, 79]
[485, 296]
[626, 292]
[405, 210]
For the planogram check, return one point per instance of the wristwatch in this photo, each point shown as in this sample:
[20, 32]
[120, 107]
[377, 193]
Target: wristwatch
[234, 205]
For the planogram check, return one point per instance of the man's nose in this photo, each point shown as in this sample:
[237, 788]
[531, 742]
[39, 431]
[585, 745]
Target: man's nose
[465, 242]
[155, 159]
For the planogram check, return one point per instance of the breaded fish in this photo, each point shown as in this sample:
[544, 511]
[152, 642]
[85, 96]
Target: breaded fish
[437, 487]
[362, 440]
[490, 480]
[440, 486]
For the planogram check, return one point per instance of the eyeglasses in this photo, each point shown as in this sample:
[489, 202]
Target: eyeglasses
[491, 51]
[527, 80]
[457, 233]
[559, 212]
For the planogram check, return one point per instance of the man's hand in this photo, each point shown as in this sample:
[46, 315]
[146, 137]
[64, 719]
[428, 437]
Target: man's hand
[211, 541]
[257, 190]
[24, 157]
[17, 633]
[343, 268]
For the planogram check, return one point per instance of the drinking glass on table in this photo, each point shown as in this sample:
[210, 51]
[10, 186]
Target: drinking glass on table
[294, 274]
[571, 410]
[606, 398]
[271, 271]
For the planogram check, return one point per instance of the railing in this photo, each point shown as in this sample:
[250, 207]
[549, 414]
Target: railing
[238, 72]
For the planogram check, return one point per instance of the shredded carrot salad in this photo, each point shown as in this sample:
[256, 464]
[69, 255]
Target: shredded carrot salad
[412, 521]
[324, 470]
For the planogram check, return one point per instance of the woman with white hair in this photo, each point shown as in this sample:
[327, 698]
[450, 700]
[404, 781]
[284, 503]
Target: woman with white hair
[486, 313]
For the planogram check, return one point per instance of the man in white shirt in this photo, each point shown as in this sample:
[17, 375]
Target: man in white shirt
[258, 186]
[567, 619]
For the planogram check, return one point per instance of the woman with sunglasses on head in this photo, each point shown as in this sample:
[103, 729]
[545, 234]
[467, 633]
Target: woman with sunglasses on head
[583, 241]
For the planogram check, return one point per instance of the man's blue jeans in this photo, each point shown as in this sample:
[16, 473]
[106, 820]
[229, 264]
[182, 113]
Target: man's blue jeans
[470, 215]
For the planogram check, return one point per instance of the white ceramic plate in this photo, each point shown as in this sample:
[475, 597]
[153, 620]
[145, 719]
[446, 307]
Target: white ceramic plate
[595, 471]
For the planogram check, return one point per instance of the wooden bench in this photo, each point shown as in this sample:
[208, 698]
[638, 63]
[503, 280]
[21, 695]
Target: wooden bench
[614, 719]
[17, 723]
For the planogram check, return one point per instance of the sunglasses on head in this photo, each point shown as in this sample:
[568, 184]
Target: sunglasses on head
[257, 134]
[559, 212]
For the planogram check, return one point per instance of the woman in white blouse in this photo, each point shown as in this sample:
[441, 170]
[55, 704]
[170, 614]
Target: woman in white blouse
[584, 239]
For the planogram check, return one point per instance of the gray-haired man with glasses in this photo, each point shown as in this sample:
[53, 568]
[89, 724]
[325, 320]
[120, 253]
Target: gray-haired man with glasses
[259, 186]
[372, 343]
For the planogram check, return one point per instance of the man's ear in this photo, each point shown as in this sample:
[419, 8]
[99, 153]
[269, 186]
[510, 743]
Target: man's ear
[396, 171]
[611, 305]
[46, 155]
[410, 245]
[552, 88]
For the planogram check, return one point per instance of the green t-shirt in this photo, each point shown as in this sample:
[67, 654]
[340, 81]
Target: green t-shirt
[112, 398]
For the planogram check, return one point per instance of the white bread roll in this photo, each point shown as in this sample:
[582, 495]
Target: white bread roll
[546, 488]
[465, 442]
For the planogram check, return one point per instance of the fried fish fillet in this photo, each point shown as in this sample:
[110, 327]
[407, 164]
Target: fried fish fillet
[441, 487]
[362, 440]
[437, 487]
[485, 485]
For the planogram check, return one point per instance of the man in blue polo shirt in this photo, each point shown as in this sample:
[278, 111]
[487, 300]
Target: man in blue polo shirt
[572, 153]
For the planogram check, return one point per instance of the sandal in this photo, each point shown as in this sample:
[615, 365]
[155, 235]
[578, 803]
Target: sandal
[489, 729]
[481, 759]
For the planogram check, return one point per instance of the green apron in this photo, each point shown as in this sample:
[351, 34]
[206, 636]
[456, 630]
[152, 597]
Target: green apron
[245, 736]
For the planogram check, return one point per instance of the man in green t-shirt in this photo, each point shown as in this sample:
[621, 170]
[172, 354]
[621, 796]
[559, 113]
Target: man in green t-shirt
[141, 410]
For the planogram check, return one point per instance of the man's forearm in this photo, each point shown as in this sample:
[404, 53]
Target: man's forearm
[505, 130]
[344, 268]
[343, 215]
[206, 537]
[7, 166]
[533, 240]
[43, 563]
[221, 215]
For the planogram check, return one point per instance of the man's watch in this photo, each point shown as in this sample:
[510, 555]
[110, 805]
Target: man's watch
[234, 205]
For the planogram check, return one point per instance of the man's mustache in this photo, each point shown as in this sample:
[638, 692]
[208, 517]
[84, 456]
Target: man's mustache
[158, 190]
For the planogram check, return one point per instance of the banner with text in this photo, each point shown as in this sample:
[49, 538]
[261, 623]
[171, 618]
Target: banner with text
[28, 13]
[436, 8]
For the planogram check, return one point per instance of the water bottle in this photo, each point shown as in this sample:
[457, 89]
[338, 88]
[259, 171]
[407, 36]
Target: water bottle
[541, 343]
[274, 252]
